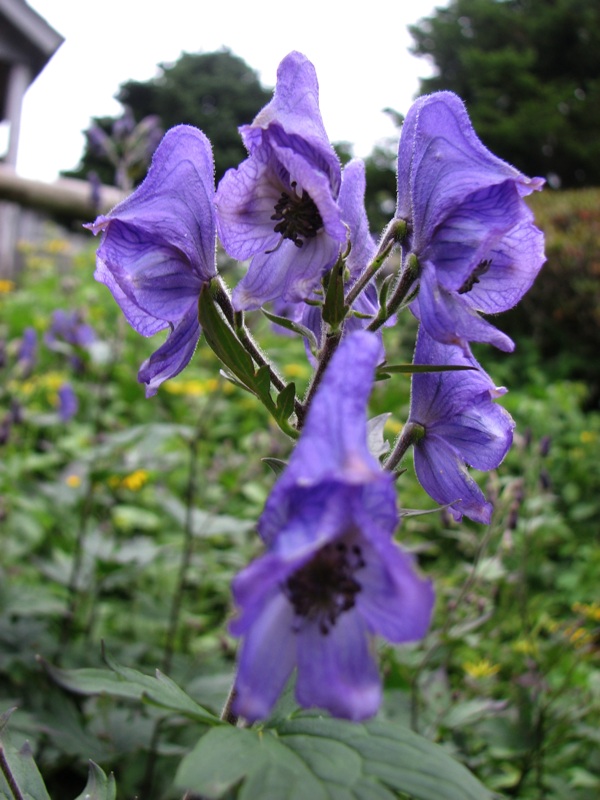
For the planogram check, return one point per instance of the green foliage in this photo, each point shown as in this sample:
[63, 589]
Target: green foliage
[325, 759]
[216, 92]
[529, 72]
[127, 524]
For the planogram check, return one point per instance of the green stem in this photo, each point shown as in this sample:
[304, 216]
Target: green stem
[331, 342]
[227, 714]
[410, 434]
[409, 275]
[394, 234]
[236, 320]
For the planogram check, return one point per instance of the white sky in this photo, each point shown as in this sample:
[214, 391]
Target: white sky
[361, 57]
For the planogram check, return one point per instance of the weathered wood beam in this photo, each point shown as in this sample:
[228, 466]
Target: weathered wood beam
[67, 196]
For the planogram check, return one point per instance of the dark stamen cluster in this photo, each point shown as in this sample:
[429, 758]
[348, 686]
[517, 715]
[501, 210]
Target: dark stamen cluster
[473, 278]
[326, 587]
[297, 217]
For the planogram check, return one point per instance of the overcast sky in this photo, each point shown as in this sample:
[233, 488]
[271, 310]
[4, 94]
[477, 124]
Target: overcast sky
[362, 61]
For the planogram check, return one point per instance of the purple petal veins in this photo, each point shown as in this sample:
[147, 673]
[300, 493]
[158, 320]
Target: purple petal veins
[158, 249]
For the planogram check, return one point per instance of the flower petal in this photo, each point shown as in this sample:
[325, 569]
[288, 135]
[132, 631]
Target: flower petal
[443, 475]
[266, 659]
[337, 670]
[174, 355]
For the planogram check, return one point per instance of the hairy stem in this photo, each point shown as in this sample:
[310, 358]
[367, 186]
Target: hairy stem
[236, 320]
[332, 341]
[411, 433]
[409, 275]
[395, 233]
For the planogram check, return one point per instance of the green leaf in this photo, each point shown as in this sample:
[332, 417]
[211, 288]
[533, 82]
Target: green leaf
[285, 401]
[121, 681]
[334, 310]
[222, 340]
[276, 464]
[387, 369]
[296, 327]
[18, 768]
[262, 384]
[325, 759]
[98, 786]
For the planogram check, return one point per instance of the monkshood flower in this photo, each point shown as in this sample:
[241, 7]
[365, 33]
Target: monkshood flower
[279, 207]
[68, 327]
[458, 424]
[70, 335]
[27, 352]
[332, 576]
[158, 249]
[351, 201]
[68, 404]
[470, 229]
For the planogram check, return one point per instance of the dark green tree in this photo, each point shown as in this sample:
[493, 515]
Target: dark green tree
[216, 92]
[529, 72]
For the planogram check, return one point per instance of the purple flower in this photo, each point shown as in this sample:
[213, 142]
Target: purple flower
[351, 201]
[279, 208]
[68, 404]
[470, 228]
[27, 353]
[332, 576]
[68, 327]
[158, 249]
[461, 425]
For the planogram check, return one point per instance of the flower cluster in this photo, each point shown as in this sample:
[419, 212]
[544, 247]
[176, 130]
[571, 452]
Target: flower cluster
[331, 578]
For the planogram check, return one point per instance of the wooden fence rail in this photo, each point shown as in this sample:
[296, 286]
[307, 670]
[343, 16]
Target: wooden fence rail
[67, 197]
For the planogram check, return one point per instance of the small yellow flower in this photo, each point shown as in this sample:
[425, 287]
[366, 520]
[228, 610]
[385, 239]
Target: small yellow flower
[588, 610]
[134, 481]
[526, 647]
[588, 437]
[192, 388]
[481, 669]
[579, 637]
[74, 481]
[6, 287]
[57, 246]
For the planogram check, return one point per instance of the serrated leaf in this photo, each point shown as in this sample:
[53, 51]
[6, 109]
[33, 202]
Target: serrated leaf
[121, 681]
[325, 759]
[99, 786]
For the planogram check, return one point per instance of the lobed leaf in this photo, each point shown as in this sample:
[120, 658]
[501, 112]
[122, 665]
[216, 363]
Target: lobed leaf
[325, 759]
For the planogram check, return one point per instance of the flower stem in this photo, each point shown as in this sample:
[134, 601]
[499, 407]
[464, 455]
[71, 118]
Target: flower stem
[410, 434]
[236, 320]
[409, 275]
[331, 342]
[395, 233]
